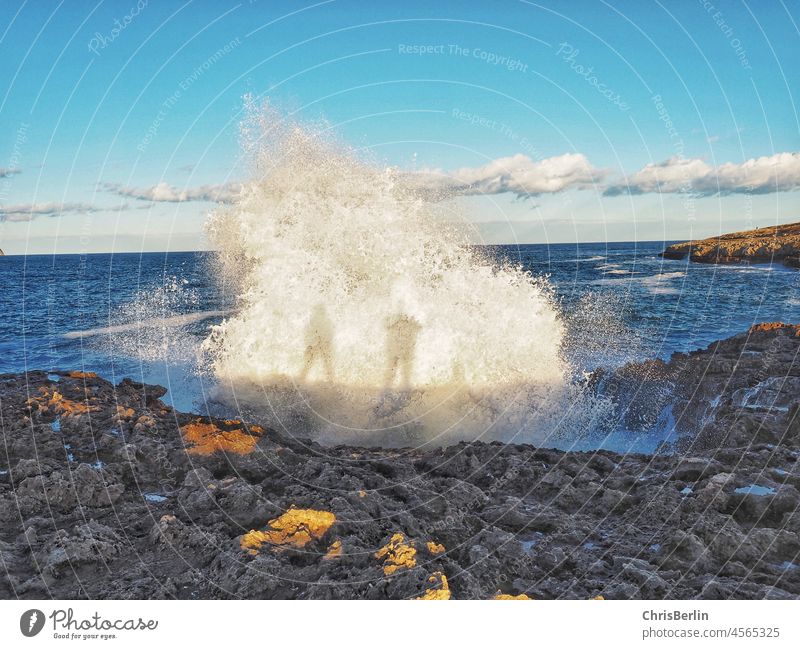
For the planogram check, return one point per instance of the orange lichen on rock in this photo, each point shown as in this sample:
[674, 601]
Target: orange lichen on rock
[521, 596]
[125, 413]
[39, 401]
[63, 406]
[238, 422]
[206, 438]
[774, 326]
[435, 548]
[82, 375]
[59, 404]
[296, 528]
[441, 589]
[334, 552]
[252, 541]
[397, 553]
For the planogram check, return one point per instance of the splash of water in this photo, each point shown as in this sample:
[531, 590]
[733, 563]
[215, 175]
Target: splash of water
[364, 314]
[154, 325]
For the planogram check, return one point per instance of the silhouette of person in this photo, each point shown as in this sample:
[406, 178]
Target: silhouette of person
[458, 373]
[319, 343]
[401, 341]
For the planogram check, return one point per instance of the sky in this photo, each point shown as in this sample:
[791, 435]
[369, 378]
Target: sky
[548, 121]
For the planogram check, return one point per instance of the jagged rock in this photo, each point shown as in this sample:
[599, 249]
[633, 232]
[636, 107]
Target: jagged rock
[180, 505]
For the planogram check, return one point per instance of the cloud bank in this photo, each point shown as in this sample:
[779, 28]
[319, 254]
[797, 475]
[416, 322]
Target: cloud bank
[31, 211]
[517, 174]
[166, 193]
[764, 175]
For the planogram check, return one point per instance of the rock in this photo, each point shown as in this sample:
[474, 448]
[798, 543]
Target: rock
[651, 585]
[729, 395]
[774, 244]
[693, 468]
[763, 510]
[89, 544]
[181, 505]
[684, 551]
[144, 424]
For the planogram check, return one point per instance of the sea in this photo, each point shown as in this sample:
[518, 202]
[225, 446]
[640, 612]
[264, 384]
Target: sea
[145, 316]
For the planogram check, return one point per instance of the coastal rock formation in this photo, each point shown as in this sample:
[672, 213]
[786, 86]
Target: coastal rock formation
[774, 244]
[107, 492]
[737, 392]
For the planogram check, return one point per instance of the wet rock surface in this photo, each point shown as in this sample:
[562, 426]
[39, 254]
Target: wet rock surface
[105, 492]
[775, 244]
[736, 393]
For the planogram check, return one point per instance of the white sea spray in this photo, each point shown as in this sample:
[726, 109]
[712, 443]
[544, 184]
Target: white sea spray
[365, 315]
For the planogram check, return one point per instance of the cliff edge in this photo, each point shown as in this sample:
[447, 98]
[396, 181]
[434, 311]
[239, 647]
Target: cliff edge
[775, 244]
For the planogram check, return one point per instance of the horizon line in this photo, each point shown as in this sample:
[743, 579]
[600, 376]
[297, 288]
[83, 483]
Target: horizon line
[196, 250]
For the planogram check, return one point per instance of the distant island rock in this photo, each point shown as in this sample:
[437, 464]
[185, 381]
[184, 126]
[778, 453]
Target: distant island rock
[779, 243]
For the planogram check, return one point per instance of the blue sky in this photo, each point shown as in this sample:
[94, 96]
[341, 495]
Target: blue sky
[94, 116]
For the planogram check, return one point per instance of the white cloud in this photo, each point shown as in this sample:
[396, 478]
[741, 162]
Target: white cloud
[166, 193]
[30, 211]
[523, 176]
[776, 173]
[517, 174]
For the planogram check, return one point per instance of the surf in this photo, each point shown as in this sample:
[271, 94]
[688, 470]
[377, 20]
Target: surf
[365, 314]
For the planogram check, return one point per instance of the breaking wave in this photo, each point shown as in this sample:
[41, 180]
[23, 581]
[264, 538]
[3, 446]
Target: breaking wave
[168, 322]
[155, 326]
[364, 314]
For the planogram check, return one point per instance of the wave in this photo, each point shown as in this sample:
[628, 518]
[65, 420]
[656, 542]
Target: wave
[666, 276]
[364, 312]
[166, 322]
[645, 279]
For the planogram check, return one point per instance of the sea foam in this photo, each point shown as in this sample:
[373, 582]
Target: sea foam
[364, 314]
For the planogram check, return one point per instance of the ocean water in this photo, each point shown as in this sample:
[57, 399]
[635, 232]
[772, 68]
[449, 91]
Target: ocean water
[631, 304]
[145, 316]
[123, 315]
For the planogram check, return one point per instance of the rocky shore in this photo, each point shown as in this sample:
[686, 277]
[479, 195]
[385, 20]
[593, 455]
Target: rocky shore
[105, 492]
[775, 244]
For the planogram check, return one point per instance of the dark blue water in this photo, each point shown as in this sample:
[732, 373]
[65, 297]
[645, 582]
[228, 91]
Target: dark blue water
[621, 302]
[56, 311]
[634, 304]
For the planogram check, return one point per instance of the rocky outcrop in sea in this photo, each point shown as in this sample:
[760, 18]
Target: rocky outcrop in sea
[774, 244]
[106, 492]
